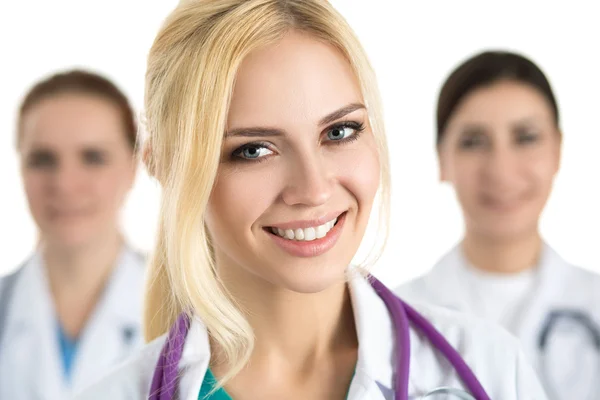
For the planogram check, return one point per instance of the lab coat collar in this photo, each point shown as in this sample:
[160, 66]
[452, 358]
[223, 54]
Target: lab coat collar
[447, 273]
[376, 341]
[32, 290]
[127, 271]
[32, 293]
[32, 319]
[114, 322]
[374, 372]
[552, 266]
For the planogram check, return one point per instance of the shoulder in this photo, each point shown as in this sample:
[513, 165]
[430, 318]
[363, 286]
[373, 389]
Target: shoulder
[413, 289]
[573, 286]
[135, 256]
[579, 274]
[492, 353]
[464, 330]
[131, 379]
[9, 281]
[428, 284]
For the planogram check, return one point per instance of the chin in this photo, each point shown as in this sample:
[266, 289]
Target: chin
[70, 237]
[310, 279]
[508, 229]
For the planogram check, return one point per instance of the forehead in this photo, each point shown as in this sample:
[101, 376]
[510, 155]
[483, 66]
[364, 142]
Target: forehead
[296, 80]
[503, 102]
[71, 120]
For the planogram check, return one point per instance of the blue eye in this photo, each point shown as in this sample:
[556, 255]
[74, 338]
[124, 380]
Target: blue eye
[252, 152]
[340, 132]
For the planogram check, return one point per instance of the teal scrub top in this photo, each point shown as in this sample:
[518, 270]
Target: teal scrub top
[209, 383]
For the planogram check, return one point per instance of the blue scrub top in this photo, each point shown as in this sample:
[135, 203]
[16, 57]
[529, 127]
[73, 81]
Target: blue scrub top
[68, 350]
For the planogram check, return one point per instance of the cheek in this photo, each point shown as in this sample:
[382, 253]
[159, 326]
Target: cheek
[34, 185]
[110, 185]
[464, 176]
[239, 198]
[542, 169]
[358, 170]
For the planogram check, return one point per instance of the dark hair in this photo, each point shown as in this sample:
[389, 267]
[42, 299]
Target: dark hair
[484, 69]
[80, 82]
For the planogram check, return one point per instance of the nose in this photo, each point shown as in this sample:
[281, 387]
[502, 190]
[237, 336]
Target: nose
[310, 183]
[500, 166]
[67, 178]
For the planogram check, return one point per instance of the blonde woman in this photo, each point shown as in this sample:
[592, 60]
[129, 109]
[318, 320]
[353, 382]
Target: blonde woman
[266, 135]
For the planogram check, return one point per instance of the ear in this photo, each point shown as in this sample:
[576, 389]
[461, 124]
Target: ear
[147, 157]
[558, 152]
[442, 173]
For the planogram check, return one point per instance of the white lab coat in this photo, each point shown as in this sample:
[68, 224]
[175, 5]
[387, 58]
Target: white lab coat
[559, 286]
[492, 353]
[30, 361]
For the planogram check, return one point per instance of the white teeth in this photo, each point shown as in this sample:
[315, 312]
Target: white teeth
[307, 234]
[322, 230]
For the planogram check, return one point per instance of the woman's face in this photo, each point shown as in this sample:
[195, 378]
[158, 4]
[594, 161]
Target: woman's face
[501, 151]
[77, 167]
[299, 168]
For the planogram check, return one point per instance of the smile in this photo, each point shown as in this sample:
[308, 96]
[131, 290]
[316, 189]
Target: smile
[306, 234]
[308, 239]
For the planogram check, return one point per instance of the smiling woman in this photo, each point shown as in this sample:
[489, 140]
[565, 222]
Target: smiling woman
[499, 144]
[266, 136]
[312, 158]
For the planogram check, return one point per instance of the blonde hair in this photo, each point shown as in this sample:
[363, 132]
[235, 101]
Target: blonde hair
[192, 68]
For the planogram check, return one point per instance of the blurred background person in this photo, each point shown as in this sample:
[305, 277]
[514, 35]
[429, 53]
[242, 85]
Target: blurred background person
[499, 146]
[73, 309]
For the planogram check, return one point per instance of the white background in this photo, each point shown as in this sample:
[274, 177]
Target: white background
[413, 46]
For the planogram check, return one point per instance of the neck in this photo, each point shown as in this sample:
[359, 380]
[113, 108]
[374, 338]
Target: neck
[505, 256]
[75, 266]
[296, 329]
[77, 276]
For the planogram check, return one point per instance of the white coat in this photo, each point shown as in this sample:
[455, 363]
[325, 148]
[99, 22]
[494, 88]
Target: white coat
[492, 353]
[572, 366]
[30, 359]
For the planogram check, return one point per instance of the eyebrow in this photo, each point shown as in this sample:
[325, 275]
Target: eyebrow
[532, 120]
[527, 121]
[342, 112]
[270, 132]
[254, 132]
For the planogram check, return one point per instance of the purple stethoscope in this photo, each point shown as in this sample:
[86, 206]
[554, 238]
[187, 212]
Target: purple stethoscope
[165, 378]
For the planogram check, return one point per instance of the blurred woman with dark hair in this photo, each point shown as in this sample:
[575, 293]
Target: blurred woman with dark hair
[74, 308]
[499, 145]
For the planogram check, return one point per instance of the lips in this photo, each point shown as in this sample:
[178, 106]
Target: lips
[309, 240]
[503, 203]
[305, 234]
[68, 213]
